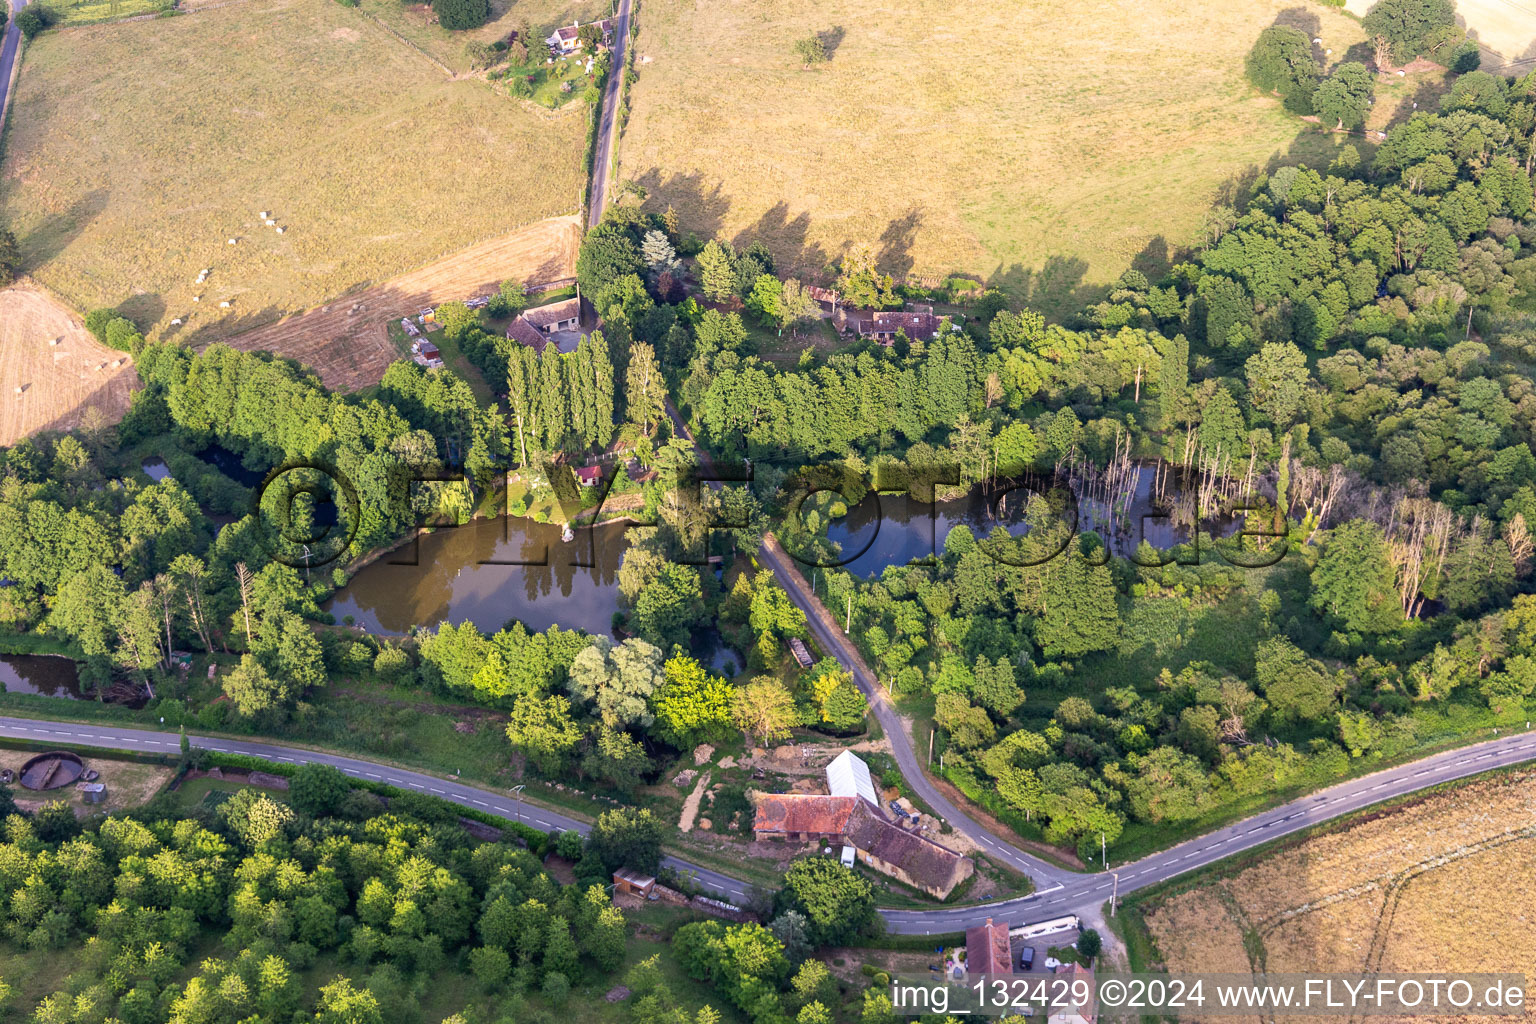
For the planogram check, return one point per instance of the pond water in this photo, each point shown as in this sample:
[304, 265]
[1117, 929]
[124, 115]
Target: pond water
[156, 469]
[895, 529]
[456, 579]
[45, 675]
[228, 463]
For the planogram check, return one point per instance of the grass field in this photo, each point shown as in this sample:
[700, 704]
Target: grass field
[1030, 144]
[60, 383]
[1441, 883]
[136, 150]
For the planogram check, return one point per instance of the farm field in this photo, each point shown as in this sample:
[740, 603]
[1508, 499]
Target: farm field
[351, 350]
[60, 383]
[1374, 896]
[1026, 144]
[123, 178]
[416, 23]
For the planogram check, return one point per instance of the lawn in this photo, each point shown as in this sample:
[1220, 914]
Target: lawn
[1029, 144]
[137, 150]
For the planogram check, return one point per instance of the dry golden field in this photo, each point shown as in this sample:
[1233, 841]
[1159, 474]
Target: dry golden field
[417, 23]
[60, 383]
[1444, 884]
[1506, 29]
[994, 137]
[137, 150]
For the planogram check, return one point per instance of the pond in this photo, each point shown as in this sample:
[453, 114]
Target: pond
[45, 675]
[155, 468]
[230, 464]
[467, 574]
[895, 529]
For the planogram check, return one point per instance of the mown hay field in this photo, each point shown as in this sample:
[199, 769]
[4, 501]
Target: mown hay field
[995, 138]
[137, 150]
[1447, 883]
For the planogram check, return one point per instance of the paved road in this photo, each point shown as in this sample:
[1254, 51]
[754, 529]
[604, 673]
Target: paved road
[8, 49]
[605, 130]
[1073, 893]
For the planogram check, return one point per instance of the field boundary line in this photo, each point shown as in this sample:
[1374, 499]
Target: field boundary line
[445, 69]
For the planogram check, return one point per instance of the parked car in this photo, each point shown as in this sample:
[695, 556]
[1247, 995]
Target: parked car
[1026, 958]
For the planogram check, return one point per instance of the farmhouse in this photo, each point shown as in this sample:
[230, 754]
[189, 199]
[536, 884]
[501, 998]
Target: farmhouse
[851, 816]
[987, 950]
[567, 38]
[919, 324]
[535, 326]
[1087, 1013]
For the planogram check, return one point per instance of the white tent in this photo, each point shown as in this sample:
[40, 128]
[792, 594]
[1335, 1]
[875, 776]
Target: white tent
[848, 775]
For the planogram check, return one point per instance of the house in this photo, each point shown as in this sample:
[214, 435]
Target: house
[1088, 1013]
[827, 298]
[800, 651]
[848, 775]
[987, 950]
[919, 323]
[626, 880]
[906, 856]
[801, 816]
[535, 326]
[851, 817]
[567, 38]
[588, 476]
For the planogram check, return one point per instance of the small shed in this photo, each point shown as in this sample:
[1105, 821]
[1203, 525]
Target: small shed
[588, 476]
[94, 792]
[625, 880]
[847, 857]
[800, 651]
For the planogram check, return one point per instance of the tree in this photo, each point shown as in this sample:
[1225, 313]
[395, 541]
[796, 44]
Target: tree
[716, 266]
[457, 319]
[1281, 61]
[617, 759]
[692, 705]
[1277, 380]
[1081, 614]
[764, 710]
[1355, 582]
[607, 254]
[10, 252]
[838, 903]
[1345, 96]
[458, 15]
[658, 252]
[318, 789]
[861, 284]
[618, 680]
[628, 837]
[811, 50]
[543, 730]
[1409, 28]
[645, 391]
[1089, 943]
[254, 693]
[1298, 688]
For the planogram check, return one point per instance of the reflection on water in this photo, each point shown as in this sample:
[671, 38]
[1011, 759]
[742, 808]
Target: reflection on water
[577, 588]
[155, 468]
[895, 529]
[45, 675]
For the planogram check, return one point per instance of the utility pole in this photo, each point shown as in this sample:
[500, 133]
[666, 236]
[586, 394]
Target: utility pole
[517, 794]
[849, 620]
[930, 748]
[1103, 851]
[1114, 894]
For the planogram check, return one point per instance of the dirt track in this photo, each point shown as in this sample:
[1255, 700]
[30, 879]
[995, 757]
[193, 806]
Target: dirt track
[60, 382]
[351, 350]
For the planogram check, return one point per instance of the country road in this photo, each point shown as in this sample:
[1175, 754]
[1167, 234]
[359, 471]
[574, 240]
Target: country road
[1072, 893]
[603, 151]
[10, 46]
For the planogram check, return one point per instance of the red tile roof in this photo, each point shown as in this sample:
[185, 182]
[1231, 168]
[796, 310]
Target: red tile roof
[924, 860]
[987, 950]
[543, 316]
[523, 331]
[801, 813]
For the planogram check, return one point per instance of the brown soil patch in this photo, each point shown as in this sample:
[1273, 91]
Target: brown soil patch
[691, 805]
[60, 382]
[346, 342]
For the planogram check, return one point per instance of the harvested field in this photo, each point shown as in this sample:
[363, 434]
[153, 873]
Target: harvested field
[137, 151]
[61, 382]
[1444, 883]
[352, 350]
[1027, 143]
